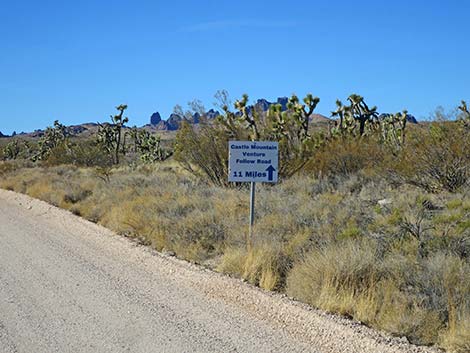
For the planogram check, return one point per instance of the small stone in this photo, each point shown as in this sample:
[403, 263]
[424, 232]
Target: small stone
[168, 253]
[384, 202]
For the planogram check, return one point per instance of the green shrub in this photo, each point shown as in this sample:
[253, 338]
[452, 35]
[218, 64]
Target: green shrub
[437, 158]
[79, 153]
[346, 156]
[203, 152]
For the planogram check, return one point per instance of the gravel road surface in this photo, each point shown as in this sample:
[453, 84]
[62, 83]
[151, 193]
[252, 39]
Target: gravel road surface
[68, 285]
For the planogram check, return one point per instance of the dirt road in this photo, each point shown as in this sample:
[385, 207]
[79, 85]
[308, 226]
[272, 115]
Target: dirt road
[67, 285]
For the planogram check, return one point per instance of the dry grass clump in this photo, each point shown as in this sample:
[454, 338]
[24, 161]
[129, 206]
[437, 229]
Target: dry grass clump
[404, 269]
[428, 304]
[264, 265]
[7, 167]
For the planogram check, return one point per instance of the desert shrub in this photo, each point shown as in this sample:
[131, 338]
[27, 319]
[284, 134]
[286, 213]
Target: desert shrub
[89, 154]
[437, 158]
[53, 137]
[346, 156]
[58, 155]
[198, 236]
[45, 190]
[203, 152]
[11, 150]
[79, 153]
[426, 301]
[76, 193]
[446, 280]
[7, 167]
[148, 146]
[337, 270]
[264, 265]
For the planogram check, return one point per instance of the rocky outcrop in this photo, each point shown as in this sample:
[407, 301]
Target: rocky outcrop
[76, 129]
[212, 114]
[318, 118]
[409, 118]
[155, 118]
[283, 102]
[195, 118]
[261, 105]
[174, 121]
[35, 133]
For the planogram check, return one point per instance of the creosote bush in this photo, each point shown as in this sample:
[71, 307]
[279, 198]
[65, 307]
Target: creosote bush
[437, 158]
[347, 156]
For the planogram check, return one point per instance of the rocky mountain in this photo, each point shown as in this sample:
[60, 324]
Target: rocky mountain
[319, 118]
[174, 120]
[410, 118]
[73, 130]
[212, 114]
[155, 118]
[35, 133]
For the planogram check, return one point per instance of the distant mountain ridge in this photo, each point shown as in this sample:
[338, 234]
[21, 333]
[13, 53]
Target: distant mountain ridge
[410, 118]
[173, 122]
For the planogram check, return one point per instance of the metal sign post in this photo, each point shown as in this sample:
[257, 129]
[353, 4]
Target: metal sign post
[253, 161]
[252, 208]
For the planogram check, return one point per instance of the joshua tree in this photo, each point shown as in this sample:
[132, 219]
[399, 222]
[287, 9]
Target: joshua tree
[290, 128]
[53, 137]
[249, 115]
[357, 119]
[346, 123]
[302, 113]
[150, 149]
[393, 128]
[12, 150]
[134, 135]
[361, 112]
[357, 113]
[465, 118]
[110, 136]
[463, 107]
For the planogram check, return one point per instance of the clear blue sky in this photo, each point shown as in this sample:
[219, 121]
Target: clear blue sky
[76, 60]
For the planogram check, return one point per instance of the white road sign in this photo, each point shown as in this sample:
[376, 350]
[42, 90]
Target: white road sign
[253, 161]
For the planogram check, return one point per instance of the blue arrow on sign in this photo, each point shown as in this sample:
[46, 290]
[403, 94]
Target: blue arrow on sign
[270, 171]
